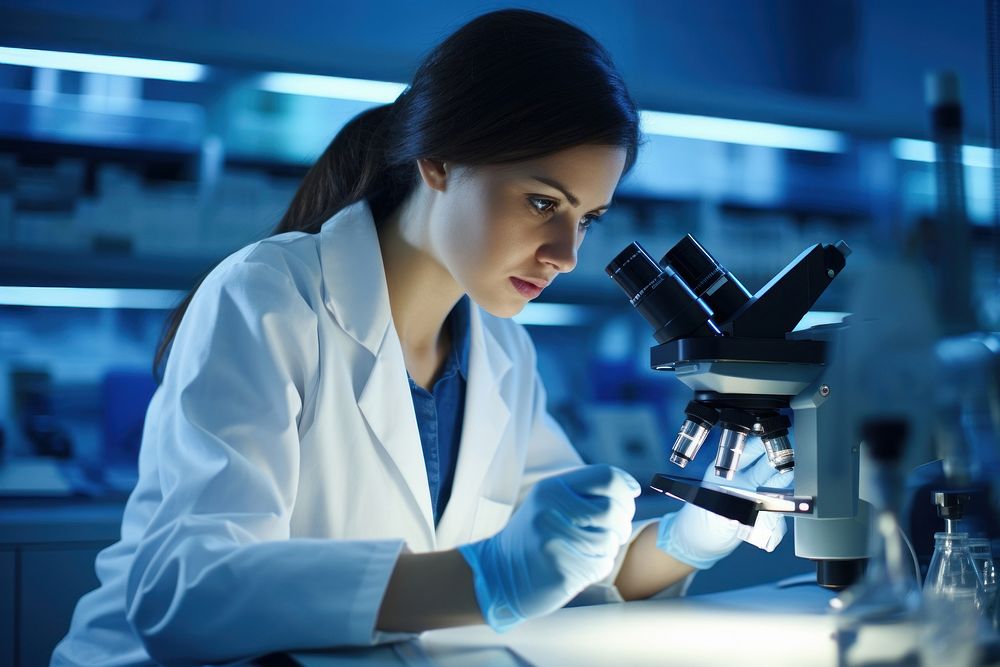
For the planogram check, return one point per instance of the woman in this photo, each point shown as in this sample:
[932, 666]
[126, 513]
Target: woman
[350, 442]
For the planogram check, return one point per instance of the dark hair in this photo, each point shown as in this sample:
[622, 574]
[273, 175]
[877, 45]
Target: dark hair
[508, 86]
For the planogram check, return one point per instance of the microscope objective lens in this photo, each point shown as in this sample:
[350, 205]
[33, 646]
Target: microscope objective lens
[730, 450]
[773, 431]
[693, 433]
[689, 440]
[737, 425]
[780, 454]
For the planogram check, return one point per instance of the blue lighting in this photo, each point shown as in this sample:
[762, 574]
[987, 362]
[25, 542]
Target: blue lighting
[917, 150]
[361, 90]
[752, 133]
[90, 297]
[553, 315]
[117, 65]
[653, 122]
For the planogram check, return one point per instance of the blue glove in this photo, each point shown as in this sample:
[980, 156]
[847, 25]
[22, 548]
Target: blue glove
[564, 537]
[701, 538]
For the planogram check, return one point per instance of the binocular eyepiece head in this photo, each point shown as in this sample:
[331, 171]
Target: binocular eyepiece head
[686, 294]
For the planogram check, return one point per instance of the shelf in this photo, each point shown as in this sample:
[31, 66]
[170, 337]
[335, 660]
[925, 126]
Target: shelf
[43, 268]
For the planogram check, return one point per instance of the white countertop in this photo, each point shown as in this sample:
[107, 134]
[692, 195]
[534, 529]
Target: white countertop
[762, 625]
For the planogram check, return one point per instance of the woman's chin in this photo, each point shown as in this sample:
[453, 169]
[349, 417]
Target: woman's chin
[506, 308]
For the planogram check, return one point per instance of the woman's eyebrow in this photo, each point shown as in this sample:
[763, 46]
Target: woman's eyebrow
[552, 183]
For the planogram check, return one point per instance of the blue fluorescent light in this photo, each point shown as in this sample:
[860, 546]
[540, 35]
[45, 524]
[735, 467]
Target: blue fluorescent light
[141, 68]
[90, 297]
[553, 315]
[653, 122]
[361, 90]
[732, 131]
[918, 150]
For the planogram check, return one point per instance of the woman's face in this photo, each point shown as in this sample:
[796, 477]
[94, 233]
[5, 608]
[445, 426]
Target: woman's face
[504, 232]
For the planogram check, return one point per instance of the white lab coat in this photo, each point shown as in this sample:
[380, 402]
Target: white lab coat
[281, 471]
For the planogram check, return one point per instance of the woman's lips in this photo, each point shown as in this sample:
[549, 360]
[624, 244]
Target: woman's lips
[526, 289]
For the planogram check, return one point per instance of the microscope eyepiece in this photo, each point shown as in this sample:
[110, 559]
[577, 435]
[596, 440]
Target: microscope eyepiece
[661, 296]
[737, 425]
[709, 280]
[693, 432]
[773, 432]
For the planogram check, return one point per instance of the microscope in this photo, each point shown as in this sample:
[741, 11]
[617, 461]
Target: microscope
[747, 367]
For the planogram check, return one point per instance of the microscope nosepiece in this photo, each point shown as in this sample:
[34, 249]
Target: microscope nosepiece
[693, 432]
[773, 433]
[737, 426]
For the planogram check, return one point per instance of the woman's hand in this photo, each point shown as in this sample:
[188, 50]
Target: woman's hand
[564, 537]
[701, 538]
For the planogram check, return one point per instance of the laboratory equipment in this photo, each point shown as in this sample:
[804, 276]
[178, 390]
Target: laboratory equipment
[749, 366]
[736, 426]
[887, 596]
[709, 280]
[661, 296]
[952, 573]
[950, 620]
[693, 432]
[951, 507]
[982, 558]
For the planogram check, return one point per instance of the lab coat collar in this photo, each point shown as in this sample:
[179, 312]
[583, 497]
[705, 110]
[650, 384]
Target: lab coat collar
[354, 285]
[351, 259]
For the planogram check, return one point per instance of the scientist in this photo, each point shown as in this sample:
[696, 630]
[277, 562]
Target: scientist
[350, 442]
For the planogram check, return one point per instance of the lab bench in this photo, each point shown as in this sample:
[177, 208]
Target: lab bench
[786, 623]
[770, 624]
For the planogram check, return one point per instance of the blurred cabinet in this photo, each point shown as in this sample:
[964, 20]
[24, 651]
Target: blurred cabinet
[8, 599]
[47, 552]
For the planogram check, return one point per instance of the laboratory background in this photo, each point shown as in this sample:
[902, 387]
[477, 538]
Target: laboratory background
[141, 142]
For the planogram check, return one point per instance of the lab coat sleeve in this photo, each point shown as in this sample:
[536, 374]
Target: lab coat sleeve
[215, 575]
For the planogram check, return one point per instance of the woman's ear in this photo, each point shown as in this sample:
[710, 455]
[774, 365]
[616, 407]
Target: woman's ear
[433, 172]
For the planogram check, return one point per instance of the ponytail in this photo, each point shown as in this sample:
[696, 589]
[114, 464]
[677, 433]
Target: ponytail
[352, 167]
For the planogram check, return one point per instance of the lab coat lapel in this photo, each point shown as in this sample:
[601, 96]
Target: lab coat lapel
[387, 405]
[486, 418]
[356, 293]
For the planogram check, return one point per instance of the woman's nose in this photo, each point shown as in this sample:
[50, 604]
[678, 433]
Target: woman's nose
[561, 248]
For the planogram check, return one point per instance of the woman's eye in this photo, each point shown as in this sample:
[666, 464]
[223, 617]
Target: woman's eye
[542, 205]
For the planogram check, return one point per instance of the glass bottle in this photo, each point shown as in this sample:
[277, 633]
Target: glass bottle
[982, 559]
[952, 573]
[949, 627]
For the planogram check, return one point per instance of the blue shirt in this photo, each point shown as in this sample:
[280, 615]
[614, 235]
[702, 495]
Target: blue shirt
[440, 411]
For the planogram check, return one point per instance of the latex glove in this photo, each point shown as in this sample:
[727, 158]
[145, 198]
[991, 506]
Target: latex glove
[564, 537]
[701, 538]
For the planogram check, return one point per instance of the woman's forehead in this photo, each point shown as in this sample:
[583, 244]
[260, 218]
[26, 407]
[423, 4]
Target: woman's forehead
[585, 172]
